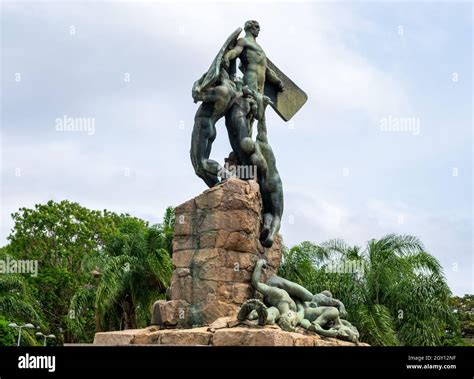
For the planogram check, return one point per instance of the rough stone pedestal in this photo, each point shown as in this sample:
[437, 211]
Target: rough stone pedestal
[225, 331]
[215, 248]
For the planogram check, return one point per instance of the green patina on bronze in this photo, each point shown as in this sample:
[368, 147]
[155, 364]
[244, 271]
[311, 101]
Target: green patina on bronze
[290, 305]
[241, 102]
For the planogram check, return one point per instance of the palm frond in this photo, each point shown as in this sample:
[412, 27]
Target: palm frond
[376, 325]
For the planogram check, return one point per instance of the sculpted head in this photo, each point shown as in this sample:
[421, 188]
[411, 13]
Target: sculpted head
[320, 299]
[252, 27]
[327, 293]
[288, 321]
[348, 333]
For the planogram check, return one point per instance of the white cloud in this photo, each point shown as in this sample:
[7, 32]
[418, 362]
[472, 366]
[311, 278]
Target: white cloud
[322, 47]
[319, 216]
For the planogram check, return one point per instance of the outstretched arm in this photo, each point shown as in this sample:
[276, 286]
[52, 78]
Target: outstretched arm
[257, 273]
[321, 331]
[294, 289]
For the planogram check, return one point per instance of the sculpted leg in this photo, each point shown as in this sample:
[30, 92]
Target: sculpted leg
[237, 129]
[204, 133]
[277, 207]
[270, 185]
[216, 101]
[305, 323]
[267, 223]
[324, 332]
[294, 290]
[330, 315]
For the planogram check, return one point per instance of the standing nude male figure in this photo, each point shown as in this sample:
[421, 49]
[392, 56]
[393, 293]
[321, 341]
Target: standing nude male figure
[256, 72]
[242, 102]
[253, 64]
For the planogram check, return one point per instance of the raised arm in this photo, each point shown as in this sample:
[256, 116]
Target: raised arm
[257, 273]
[234, 53]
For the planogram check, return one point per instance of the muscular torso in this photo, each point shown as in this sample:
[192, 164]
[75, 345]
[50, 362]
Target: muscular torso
[279, 298]
[217, 100]
[254, 61]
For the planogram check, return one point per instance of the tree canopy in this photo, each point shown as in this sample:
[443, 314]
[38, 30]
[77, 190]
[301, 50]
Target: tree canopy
[394, 291]
[65, 239]
[99, 270]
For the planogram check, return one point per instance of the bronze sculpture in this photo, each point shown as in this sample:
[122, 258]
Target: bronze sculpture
[241, 102]
[290, 305]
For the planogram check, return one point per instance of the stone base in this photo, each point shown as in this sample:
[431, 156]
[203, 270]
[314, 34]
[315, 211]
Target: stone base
[223, 332]
[215, 248]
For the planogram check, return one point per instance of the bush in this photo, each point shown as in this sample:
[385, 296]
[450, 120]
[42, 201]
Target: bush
[8, 335]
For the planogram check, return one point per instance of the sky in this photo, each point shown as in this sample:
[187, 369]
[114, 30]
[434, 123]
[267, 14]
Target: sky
[349, 169]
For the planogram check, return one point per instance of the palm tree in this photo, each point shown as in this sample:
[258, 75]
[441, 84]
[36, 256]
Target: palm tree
[132, 272]
[81, 320]
[18, 305]
[17, 302]
[397, 295]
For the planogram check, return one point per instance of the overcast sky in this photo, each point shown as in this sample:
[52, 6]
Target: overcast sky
[347, 172]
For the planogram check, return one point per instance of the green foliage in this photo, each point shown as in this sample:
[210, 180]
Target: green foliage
[8, 336]
[397, 295]
[132, 272]
[59, 236]
[376, 324]
[81, 317]
[102, 271]
[16, 300]
[461, 333]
